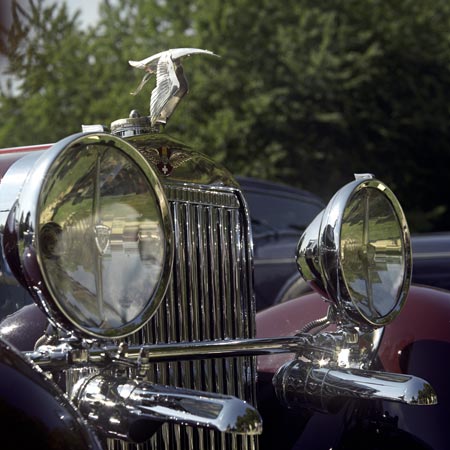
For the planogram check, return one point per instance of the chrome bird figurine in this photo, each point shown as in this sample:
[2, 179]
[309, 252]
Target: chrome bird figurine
[171, 83]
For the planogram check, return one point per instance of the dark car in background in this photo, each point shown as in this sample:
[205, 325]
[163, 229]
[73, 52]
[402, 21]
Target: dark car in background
[431, 259]
[279, 215]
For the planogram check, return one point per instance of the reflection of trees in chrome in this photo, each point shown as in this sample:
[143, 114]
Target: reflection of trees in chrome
[64, 190]
[248, 420]
[68, 194]
[207, 409]
[427, 395]
[372, 252]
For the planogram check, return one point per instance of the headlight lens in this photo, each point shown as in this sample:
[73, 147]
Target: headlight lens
[372, 254]
[102, 236]
[357, 253]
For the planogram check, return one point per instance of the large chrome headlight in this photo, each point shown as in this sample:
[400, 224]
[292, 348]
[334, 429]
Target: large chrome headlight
[93, 236]
[357, 253]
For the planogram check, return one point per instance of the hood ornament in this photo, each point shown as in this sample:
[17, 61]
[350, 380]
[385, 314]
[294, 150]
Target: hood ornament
[171, 83]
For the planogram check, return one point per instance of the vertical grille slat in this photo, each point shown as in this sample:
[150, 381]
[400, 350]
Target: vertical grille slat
[192, 249]
[214, 280]
[224, 273]
[209, 297]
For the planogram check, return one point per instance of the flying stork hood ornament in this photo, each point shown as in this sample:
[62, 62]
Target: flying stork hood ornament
[171, 83]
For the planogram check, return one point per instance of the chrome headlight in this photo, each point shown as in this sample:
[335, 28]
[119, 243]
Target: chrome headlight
[93, 235]
[357, 253]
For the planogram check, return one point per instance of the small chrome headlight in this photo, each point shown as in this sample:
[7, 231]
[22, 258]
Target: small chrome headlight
[357, 253]
[94, 235]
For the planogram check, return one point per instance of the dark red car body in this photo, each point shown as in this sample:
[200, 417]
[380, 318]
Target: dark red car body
[417, 343]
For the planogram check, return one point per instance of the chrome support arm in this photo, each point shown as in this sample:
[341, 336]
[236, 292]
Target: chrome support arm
[328, 367]
[324, 345]
[132, 410]
[300, 384]
[65, 356]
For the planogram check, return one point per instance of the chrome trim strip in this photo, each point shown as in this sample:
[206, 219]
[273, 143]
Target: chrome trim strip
[130, 410]
[64, 358]
[204, 196]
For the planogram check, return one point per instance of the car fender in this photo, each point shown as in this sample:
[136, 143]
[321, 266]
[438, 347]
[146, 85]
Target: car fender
[416, 343]
[425, 317]
[35, 414]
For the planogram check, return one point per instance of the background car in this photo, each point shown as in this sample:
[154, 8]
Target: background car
[431, 259]
[280, 213]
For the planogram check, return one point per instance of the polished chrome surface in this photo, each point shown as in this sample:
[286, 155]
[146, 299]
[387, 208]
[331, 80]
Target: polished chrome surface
[130, 409]
[11, 184]
[345, 349]
[349, 348]
[97, 190]
[171, 83]
[357, 253]
[64, 356]
[181, 164]
[298, 385]
[210, 297]
[94, 128]
[134, 125]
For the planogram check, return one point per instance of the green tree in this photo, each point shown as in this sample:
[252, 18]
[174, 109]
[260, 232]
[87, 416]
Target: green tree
[47, 59]
[327, 89]
[306, 91]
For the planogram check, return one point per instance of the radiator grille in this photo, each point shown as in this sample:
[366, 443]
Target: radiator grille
[210, 297]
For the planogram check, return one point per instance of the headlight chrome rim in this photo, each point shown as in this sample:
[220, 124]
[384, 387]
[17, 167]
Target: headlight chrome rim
[30, 235]
[321, 262]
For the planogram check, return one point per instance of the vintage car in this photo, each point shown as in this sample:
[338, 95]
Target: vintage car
[126, 284]
[431, 259]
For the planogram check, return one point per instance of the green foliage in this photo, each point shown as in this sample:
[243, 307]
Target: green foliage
[306, 91]
[46, 57]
